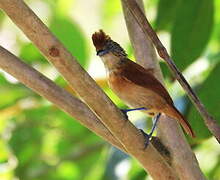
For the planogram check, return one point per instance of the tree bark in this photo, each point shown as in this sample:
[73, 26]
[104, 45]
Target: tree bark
[55, 94]
[123, 130]
[183, 159]
[141, 19]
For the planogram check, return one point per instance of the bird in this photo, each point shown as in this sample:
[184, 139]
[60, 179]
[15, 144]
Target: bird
[135, 85]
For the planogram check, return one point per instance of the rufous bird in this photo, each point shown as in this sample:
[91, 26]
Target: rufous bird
[134, 84]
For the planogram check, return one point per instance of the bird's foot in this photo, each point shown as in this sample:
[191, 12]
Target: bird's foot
[147, 138]
[125, 111]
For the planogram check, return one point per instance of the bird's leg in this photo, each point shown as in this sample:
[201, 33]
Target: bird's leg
[148, 136]
[135, 109]
[125, 111]
[155, 120]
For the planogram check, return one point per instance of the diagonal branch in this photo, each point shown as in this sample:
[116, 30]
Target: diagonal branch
[183, 159]
[210, 122]
[124, 131]
[61, 98]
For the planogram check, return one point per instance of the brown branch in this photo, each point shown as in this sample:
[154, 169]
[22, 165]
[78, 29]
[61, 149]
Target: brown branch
[143, 49]
[61, 98]
[210, 122]
[126, 133]
[182, 158]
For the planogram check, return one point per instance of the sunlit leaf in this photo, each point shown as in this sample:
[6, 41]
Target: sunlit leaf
[31, 54]
[110, 9]
[191, 31]
[166, 12]
[3, 80]
[11, 93]
[68, 170]
[2, 16]
[209, 95]
[71, 36]
[136, 172]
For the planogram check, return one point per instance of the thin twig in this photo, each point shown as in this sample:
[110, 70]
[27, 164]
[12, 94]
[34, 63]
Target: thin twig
[123, 130]
[210, 122]
[182, 158]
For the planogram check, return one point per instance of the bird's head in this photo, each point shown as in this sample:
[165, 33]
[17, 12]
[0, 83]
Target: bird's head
[105, 45]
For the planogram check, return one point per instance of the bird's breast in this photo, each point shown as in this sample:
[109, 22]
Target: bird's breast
[119, 85]
[125, 90]
[132, 94]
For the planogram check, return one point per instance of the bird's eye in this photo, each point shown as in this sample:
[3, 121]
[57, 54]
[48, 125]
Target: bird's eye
[102, 52]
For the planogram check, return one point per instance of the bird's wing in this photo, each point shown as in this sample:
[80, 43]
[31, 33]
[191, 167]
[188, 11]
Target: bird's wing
[140, 76]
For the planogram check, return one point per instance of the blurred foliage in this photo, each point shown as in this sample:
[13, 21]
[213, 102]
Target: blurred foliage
[207, 92]
[71, 36]
[40, 142]
[189, 38]
[166, 14]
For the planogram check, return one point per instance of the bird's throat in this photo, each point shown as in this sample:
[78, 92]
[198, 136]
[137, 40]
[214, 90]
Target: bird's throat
[111, 61]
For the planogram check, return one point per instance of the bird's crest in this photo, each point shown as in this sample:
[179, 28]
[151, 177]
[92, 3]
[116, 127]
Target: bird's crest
[100, 39]
[103, 42]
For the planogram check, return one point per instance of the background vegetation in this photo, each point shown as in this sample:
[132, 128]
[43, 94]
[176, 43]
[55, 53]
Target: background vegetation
[38, 141]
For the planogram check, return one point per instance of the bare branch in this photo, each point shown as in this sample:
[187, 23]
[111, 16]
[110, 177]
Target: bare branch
[61, 98]
[183, 159]
[85, 86]
[210, 122]
[143, 49]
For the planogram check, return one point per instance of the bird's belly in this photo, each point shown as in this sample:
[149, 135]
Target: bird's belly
[134, 95]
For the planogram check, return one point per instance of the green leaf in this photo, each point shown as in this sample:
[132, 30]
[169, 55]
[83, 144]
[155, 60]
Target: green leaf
[71, 36]
[165, 70]
[216, 35]
[136, 172]
[60, 81]
[166, 12]
[9, 94]
[109, 12]
[209, 95]
[3, 80]
[31, 54]
[68, 170]
[26, 143]
[2, 16]
[191, 31]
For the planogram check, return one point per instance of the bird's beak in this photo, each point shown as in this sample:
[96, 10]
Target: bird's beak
[102, 52]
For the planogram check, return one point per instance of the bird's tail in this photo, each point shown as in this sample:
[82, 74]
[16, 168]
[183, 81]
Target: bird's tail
[174, 113]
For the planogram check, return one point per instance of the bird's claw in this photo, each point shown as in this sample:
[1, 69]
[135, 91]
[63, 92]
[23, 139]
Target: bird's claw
[124, 112]
[147, 138]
